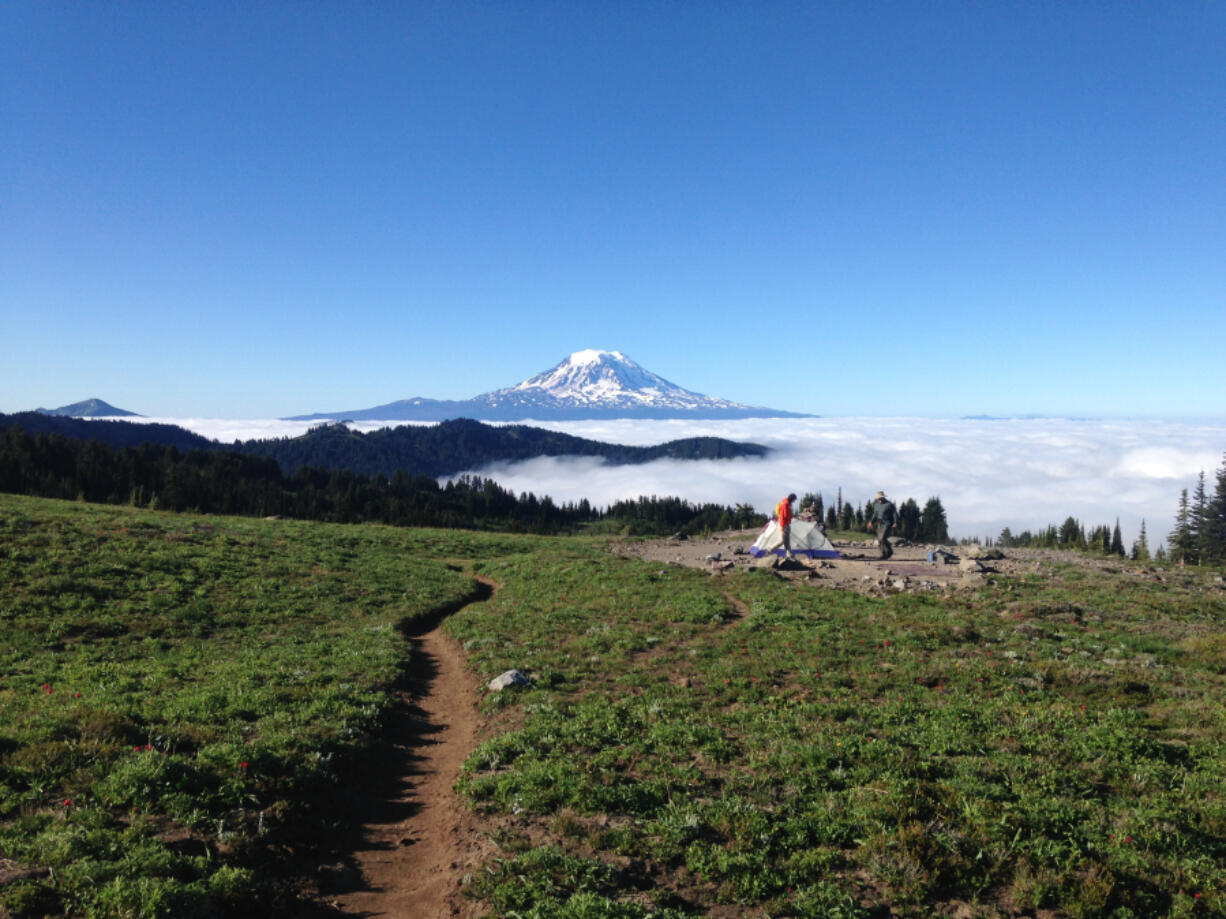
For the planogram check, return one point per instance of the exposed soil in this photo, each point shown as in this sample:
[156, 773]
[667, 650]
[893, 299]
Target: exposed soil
[418, 841]
[860, 567]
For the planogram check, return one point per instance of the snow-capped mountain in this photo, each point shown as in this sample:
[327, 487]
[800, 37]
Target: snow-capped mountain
[604, 379]
[588, 384]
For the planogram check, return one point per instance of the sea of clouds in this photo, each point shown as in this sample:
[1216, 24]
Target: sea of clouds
[989, 474]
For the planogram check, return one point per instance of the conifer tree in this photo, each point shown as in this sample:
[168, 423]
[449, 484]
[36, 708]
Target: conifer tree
[909, 519]
[1213, 538]
[933, 526]
[1196, 519]
[1181, 536]
[1140, 548]
[832, 518]
[1117, 540]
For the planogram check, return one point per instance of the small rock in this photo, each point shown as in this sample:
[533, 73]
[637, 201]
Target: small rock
[507, 680]
[984, 552]
[338, 877]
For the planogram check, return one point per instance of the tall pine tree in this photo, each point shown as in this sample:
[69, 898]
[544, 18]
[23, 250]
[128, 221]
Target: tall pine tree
[1213, 537]
[1117, 539]
[1196, 519]
[1140, 548]
[1182, 544]
[933, 527]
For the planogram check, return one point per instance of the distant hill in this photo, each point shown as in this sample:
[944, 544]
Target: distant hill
[434, 450]
[90, 408]
[464, 444]
[112, 433]
[587, 384]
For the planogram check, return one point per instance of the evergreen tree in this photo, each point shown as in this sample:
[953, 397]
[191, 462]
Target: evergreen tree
[1070, 534]
[1005, 539]
[1182, 546]
[1197, 512]
[1213, 538]
[909, 519]
[1140, 548]
[933, 527]
[832, 518]
[1117, 540]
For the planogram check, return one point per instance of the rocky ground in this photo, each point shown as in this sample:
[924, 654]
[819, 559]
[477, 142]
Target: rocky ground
[860, 567]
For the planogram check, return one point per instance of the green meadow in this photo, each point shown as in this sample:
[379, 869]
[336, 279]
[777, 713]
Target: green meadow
[186, 702]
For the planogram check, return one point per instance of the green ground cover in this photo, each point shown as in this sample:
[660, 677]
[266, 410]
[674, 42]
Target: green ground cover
[180, 694]
[693, 743]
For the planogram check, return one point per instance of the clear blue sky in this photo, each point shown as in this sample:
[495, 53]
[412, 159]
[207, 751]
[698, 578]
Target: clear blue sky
[256, 209]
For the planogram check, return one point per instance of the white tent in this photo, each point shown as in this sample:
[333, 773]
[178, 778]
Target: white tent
[805, 537]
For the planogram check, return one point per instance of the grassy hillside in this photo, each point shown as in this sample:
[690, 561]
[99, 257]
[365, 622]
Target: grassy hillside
[181, 698]
[749, 747]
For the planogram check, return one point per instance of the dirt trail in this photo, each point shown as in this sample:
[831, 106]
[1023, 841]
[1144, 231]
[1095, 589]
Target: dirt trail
[418, 841]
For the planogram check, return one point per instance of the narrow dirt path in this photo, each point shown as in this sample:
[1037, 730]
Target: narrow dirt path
[418, 840]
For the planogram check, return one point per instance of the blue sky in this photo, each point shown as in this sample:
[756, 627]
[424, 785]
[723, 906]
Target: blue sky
[250, 210]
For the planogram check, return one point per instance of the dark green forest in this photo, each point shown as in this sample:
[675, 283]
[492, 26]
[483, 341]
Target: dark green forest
[230, 482]
[443, 449]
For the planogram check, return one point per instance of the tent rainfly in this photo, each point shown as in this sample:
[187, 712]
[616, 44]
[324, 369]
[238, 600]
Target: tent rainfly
[806, 539]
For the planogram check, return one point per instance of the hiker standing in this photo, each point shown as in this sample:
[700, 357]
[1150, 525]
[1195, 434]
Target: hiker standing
[885, 515]
[783, 514]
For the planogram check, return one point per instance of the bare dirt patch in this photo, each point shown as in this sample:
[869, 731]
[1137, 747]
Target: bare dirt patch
[860, 567]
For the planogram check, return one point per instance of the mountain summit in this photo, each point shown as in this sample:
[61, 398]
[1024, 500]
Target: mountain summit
[89, 408]
[588, 384]
[604, 380]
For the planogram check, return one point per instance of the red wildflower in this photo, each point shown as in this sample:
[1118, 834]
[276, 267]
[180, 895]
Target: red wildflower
[47, 688]
[243, 765]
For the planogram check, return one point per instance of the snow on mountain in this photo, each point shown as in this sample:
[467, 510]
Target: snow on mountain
[606, 379]
[588, 384]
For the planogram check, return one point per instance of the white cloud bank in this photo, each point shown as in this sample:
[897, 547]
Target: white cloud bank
[1022, 474]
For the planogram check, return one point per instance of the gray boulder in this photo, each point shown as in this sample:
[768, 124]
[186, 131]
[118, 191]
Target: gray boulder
[507, 680]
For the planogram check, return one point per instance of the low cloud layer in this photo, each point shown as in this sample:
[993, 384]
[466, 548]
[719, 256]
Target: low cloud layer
[1022, 474]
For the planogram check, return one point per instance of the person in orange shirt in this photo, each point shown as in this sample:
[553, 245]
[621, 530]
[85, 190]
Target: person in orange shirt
[783, 514]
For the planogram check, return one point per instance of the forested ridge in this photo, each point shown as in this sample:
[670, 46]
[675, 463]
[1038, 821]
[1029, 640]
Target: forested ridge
[463, 444]
[218, 481]
[447, 448]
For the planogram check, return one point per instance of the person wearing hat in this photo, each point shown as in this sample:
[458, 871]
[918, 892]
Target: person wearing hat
[885, 515]
[783, 514]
